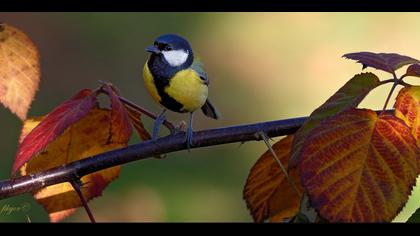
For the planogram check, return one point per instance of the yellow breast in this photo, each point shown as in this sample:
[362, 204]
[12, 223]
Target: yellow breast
[150, 85]
[188, 88]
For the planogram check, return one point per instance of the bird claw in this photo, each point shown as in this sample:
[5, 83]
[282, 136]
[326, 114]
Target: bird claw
[162, 156]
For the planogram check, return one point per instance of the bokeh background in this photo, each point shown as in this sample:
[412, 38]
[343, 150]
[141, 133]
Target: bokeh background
[262, 66]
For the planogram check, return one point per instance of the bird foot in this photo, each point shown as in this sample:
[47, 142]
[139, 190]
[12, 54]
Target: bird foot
[158, 122]
[189, 140]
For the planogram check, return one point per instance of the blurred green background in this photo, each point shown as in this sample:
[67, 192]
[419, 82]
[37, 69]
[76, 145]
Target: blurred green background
[262, 66]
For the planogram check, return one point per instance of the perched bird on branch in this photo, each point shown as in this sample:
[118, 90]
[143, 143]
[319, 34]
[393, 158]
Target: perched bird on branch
[177, 81]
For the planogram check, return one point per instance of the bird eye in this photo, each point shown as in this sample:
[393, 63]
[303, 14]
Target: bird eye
[168, 48]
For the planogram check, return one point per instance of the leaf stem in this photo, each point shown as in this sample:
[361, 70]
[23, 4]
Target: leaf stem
[386, 81]
[394, 85]
[76, 185]
[276, 158]
[402, 82]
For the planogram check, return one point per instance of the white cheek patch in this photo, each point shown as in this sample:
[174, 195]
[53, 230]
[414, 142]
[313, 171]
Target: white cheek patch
[175, 57]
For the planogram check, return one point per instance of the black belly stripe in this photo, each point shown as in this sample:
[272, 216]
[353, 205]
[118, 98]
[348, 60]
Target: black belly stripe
[168, 102]
[161, 77]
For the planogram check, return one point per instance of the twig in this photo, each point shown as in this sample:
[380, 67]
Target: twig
[76, 185]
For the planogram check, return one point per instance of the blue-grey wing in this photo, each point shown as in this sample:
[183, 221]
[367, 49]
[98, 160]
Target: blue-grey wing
[198, 67]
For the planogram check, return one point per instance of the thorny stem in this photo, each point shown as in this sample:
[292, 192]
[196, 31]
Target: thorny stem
[276, 158]
[76, 185]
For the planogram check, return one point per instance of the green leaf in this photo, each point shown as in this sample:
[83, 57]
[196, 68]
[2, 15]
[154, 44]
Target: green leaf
[348, 96]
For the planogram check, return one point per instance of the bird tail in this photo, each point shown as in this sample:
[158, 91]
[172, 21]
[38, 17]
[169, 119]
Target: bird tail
[210, 111]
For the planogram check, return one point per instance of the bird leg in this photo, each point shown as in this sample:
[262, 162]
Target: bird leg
[159, 120]
[189, 134]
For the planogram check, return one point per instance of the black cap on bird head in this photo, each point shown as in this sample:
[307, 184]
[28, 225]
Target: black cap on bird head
[173, 50]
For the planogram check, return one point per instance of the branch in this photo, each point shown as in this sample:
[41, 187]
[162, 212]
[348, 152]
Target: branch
[171, 143]
[144, 150]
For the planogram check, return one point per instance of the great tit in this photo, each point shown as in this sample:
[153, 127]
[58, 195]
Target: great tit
[176, 81]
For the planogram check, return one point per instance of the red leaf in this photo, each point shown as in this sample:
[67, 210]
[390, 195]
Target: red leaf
[388, 62]
[54, 125]
[120, 120]
[413, 70]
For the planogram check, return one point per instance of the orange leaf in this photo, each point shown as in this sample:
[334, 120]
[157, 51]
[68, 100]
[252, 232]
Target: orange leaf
[88, 137]
[19, 70]
[119, 117]
[358, 167]
[54, 124]
[407, 108]
[348, 96]
[61, 215]
[267, 192]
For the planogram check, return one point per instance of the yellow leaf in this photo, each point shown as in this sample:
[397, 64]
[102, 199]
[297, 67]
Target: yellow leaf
[19, 70]
[87, 137]
[407, 108]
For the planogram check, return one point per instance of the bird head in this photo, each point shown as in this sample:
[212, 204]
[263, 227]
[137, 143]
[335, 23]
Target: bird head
[173, 50]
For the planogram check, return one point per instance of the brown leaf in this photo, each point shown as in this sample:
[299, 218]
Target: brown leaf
[359, 167]
[388, 62]
[19, 70]
[413, 70]
[267, 192]
[348, 96]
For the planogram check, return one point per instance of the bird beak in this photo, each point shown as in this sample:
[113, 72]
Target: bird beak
[153, 49]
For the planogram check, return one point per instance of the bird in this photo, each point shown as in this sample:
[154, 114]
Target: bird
[177, 81]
